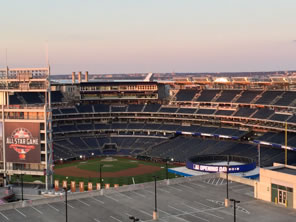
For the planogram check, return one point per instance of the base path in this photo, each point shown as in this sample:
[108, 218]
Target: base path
[76, 172]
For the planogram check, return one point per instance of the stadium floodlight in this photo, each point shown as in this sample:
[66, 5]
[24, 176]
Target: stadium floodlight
[134, 218]
[155, 200]
[234, 208]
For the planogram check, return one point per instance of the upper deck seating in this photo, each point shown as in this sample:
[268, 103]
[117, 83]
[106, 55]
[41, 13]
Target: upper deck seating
[287, 99]
[68, 128]
[56, 97]
[100, 126]
[168, 127]
[68, 110]
[118, 126]
[151, 108]
[186, 110]
[31, 97]
[135, 125]
[186, 94]
[292, 119]
[118, 108]
[268, 97]
[263, 113]
[207, 95]
[207, 129]
[247, 96]
[135, 108]
[224, 112]
[228, 95]
[205, 111]
[168, 110]
[84, 108]
[85, 126]
[14, 100]
[101, 108]
[245, 112]
[279, 117]
[56, 112]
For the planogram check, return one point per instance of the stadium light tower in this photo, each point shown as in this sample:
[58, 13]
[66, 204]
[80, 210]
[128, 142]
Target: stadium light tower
[234, 208]
[155, 216]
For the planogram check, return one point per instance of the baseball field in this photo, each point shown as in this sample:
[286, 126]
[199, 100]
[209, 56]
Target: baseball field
[114, 170]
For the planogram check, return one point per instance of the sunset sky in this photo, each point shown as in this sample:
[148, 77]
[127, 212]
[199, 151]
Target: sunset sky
[128, 36]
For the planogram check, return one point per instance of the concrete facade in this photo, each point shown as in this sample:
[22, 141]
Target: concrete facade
[276, 186]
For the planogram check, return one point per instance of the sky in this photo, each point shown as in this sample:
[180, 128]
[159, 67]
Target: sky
[132, 36]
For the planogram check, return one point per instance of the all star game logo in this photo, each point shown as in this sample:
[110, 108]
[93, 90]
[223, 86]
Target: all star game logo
[22, 142]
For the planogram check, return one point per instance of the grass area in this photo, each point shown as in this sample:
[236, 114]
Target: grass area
[114, 166]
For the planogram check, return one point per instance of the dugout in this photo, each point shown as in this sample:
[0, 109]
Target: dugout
[277, 184]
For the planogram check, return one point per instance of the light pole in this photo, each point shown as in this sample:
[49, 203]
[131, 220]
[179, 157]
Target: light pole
[66, 203]
[22, 184]
[227, 190]
[227, 171]
[166, 170]
[134, 218]
[22, 187]
[155, 217]
[101, 179]
[234, 208]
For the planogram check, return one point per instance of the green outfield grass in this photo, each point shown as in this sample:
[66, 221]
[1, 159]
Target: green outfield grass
[114, 166]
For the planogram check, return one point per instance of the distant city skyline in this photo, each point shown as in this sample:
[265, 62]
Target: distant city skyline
[132, 36]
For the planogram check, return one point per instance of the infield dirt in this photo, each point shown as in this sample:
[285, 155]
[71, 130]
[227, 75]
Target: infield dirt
[76, 172]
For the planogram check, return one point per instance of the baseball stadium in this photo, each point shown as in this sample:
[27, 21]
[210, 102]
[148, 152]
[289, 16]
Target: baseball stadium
[148, 147]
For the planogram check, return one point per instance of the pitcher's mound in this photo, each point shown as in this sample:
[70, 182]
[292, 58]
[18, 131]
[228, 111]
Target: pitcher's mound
[109, 159]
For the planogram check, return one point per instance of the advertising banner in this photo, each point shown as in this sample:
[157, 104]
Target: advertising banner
[81, 186]
[56, 185]
[98, 186]
[65, 185]
[73, 186]
[22, 142]
[90, 186]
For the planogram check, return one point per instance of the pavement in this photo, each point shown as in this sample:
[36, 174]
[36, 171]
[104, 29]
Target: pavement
[189, 201]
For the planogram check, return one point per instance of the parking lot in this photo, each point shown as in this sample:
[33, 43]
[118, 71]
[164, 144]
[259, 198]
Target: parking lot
[189, 201]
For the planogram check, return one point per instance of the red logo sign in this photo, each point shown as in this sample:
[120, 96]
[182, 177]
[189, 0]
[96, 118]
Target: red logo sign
[22, 141]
